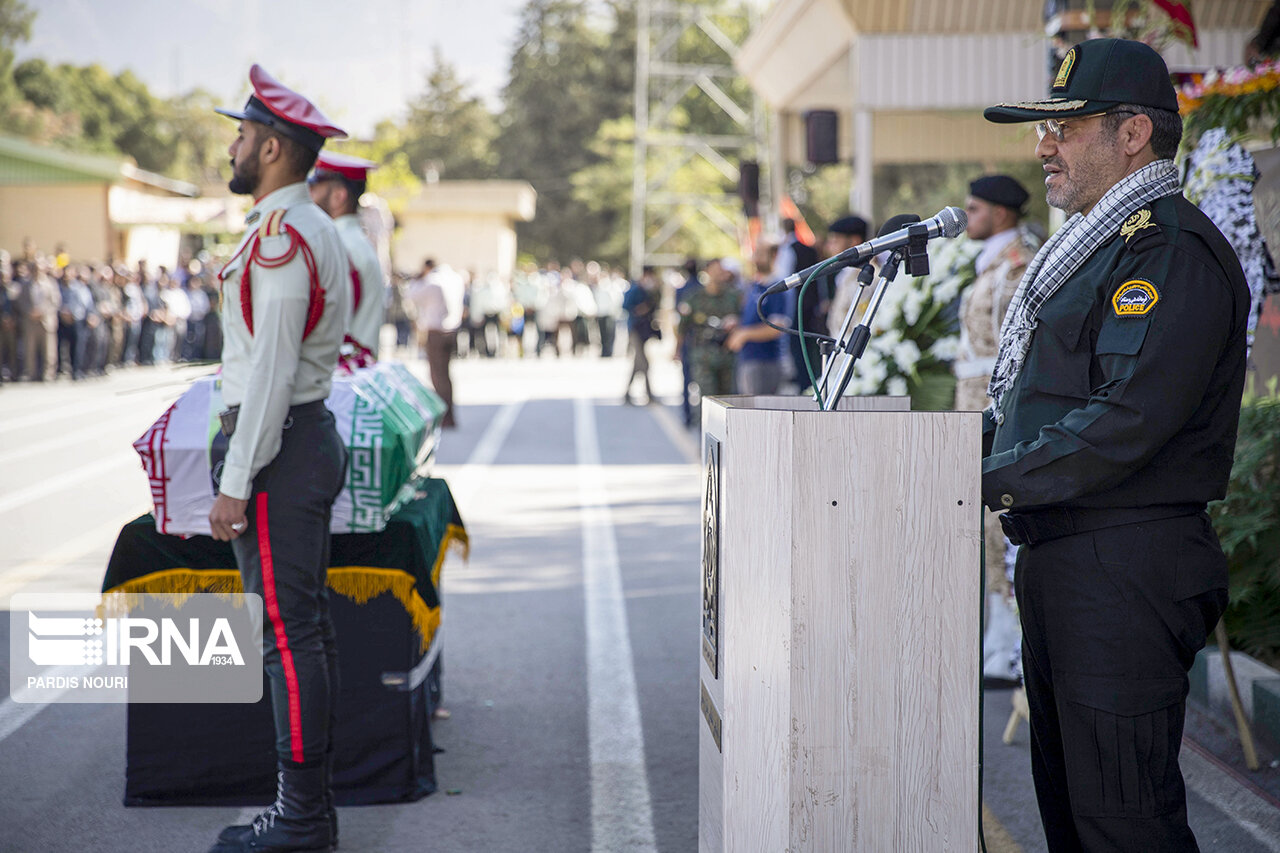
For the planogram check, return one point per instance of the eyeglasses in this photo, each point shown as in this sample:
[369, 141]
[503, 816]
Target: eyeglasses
[1058, 128]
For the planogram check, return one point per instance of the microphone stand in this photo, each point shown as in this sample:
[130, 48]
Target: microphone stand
[850, 344]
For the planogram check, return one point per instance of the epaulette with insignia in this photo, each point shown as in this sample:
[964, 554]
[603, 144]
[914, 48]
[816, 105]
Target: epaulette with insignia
[1140, 229]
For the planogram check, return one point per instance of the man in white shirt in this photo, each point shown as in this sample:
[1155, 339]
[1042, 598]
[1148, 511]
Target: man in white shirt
[336, 186]
[286, 300]
[439, 294]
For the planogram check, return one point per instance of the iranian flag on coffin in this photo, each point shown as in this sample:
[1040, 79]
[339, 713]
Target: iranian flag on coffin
[388, 420]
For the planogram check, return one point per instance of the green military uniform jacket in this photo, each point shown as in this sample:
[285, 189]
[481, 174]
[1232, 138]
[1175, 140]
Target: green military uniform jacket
[1130, 393]
[702, 316]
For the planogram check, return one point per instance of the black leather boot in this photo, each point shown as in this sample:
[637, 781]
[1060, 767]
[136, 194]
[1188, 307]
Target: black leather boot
[295, 823]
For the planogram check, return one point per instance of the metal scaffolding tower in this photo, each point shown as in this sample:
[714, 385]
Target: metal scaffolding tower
[659, 211]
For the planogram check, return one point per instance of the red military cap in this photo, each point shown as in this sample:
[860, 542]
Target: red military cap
[283, 109]
[344, 166]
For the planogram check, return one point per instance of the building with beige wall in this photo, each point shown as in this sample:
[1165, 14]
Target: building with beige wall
[100, 207]
[469, 225]
[908, 79]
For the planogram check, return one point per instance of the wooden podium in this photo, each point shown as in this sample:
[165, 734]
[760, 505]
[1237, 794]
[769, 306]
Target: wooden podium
[842, 588]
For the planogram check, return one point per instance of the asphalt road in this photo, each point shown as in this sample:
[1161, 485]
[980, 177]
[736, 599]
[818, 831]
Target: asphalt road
[571, 635]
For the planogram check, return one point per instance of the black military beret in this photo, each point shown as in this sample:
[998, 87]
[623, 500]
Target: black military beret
[849, 225]
[999, 189]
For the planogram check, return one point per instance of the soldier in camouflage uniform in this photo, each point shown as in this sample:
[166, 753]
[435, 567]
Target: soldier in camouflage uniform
[706, 316]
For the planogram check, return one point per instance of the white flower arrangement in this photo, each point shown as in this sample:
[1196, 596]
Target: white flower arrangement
[911, 344]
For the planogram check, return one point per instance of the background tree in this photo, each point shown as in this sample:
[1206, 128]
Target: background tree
[570, 72]
[15, 28]
[447, 127]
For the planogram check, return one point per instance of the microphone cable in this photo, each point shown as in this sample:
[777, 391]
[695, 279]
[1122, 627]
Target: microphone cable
[799, 330]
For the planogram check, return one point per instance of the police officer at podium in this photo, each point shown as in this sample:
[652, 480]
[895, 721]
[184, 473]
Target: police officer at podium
[1116, 398]
[286, 302]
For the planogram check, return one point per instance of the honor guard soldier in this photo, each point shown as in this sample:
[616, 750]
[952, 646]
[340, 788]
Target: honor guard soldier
[286, 303]
[1116, 395]
[336, 185]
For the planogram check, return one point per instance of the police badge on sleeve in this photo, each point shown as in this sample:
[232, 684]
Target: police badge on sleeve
[1135, 298]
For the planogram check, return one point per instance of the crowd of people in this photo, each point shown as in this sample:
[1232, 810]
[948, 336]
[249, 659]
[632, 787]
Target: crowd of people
[551, 309]
[708, 308]
[60, 317]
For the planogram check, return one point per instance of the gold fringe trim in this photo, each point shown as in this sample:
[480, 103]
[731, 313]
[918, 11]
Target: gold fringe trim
[359, 584]
[455, 540]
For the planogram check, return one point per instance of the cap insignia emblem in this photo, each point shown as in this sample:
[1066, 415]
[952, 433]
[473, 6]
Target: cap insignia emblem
[1064, 70]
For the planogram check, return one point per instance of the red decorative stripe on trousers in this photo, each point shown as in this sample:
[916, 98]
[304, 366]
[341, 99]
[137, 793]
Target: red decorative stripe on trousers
[282, 641]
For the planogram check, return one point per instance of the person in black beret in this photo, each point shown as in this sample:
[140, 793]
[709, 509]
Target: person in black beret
[845, 233]
[1116, 396]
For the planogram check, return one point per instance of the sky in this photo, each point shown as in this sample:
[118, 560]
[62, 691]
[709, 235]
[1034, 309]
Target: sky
[359, 60]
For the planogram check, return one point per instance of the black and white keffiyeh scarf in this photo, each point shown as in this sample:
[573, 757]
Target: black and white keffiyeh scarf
[1059, 258]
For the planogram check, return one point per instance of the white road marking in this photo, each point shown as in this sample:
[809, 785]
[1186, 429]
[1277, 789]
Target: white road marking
[679, 435]
[465, 481]
[61, 441]
[621, 809]
[78, 410]
[61, 482]
[14, 715]
[13, 580]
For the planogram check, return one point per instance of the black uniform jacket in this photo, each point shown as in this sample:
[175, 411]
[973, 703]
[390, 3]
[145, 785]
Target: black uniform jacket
[1130, 393]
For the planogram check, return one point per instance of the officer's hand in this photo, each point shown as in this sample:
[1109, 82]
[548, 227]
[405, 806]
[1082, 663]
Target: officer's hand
[227, 518]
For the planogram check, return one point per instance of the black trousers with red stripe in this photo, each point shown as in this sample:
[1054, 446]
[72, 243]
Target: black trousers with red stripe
[283, 555]
[1112, 620]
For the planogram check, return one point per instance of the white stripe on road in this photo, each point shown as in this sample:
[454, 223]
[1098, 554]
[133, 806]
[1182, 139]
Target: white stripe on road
[61, 441]
[46, 416]
[14, 715]
[621, 810]
[62, 482]
[677, 434]
[13, 580]
[467, 479]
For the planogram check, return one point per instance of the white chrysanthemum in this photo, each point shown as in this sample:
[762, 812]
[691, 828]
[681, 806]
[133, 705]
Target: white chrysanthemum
[912, 306]
[897, 386]
[946, 348]
[906, 354]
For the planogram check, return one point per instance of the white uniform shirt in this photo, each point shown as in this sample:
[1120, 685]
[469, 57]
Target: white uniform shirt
[366, 322]
[266, 372]
[439, 298]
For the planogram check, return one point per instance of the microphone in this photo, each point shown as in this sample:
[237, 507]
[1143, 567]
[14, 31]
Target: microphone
[950, 222]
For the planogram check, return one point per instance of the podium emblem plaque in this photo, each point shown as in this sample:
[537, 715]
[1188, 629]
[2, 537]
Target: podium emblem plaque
[711, 556]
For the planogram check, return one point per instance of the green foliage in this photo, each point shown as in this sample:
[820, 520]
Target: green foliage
[822, 194]
[448, 130]
[567, 76]
[924, 189]
[15, 27]
[89, 109]
[395, 178]
[1248, 525]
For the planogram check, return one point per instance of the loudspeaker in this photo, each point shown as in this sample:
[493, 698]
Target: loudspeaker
[749, 187]
[822, 137]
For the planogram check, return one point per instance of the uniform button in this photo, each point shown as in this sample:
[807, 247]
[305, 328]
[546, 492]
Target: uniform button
[1007, 500]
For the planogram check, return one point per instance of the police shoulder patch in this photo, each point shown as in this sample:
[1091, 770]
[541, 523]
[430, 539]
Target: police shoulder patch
[1135, 298]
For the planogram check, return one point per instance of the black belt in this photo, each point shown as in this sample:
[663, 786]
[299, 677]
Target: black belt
[1033, 528]
[229, 415]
